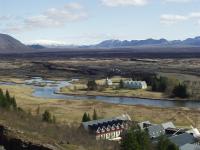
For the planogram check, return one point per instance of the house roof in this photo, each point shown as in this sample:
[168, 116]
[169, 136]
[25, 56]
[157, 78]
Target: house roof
[190, 147]
[141, 124]
[105, 122]
[168, 125]
[156, 131]
[183, 139]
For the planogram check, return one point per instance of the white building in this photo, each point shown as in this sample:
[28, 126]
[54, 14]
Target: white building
[135, 84]
[108, 82]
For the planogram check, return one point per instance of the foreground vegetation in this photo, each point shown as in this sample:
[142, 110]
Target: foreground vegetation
[137, 139]
[60, 136]
[26, 126]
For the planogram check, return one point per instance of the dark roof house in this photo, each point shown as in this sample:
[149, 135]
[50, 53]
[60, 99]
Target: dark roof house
[105, 122]
[155, 131]
[182, 139]
[190, 147]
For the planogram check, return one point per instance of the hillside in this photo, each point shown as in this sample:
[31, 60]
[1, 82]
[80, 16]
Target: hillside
[9, 44]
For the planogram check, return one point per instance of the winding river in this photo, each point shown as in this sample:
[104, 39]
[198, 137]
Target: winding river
[47, 89]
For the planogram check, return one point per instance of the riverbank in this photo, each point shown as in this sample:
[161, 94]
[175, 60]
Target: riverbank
[140, 94]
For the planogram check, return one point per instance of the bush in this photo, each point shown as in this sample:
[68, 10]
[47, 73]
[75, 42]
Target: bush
[180, 91]
[159, 84]
[94, 116]
[86, 117]
[47, 117]
[135, 139]
[91, 85]
[165, 144]
[121, 84]
[6, 101]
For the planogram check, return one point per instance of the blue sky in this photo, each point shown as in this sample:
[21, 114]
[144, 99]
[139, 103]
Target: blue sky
[91, 21]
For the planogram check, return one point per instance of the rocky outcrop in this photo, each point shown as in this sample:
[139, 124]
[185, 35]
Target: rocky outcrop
[13, 143]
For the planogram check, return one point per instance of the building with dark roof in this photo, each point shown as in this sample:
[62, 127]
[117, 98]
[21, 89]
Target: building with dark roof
[155, 131]
[183, 139]
[107, 128]
[190, 147]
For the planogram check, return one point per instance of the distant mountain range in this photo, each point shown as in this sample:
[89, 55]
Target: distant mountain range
[149, 42]
[9, 44]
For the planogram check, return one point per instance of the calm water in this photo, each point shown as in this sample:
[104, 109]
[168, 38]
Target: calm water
[47, 89]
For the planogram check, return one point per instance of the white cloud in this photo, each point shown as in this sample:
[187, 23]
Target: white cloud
[51, 18]
[194, 15]
[179, 1]
[115, 3]
[174, 18]
[73, 5]
[171, 19]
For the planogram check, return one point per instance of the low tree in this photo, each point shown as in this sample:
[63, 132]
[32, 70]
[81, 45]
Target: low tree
[135, 139]
[91, 85]
[180, 91]
[165, 144]
[85, 117]
[94, 116]
[38, 110]
[46, 116]
[14, 103]
[6, 101]
[159, 84]
[121, 84]
[54, 119]
[88, 117]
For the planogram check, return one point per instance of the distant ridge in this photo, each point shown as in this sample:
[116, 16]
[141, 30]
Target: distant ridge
[148, 42]
[36, 46]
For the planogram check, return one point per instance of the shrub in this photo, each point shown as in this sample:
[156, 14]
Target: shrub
[180, 91]
[47, 116]
[135, 139]
[121, 84]
[85, 117]
[6, 101]
[95, 116]
[165, 144]
[91, 85]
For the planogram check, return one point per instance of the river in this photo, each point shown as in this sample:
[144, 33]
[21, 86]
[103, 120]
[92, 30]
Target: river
[48, 88]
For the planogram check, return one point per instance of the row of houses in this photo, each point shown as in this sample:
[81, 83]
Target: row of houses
[130, 84]
[109, 129]
[112, 129]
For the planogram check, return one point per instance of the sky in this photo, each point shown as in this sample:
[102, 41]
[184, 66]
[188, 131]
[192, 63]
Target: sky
[83, 22]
